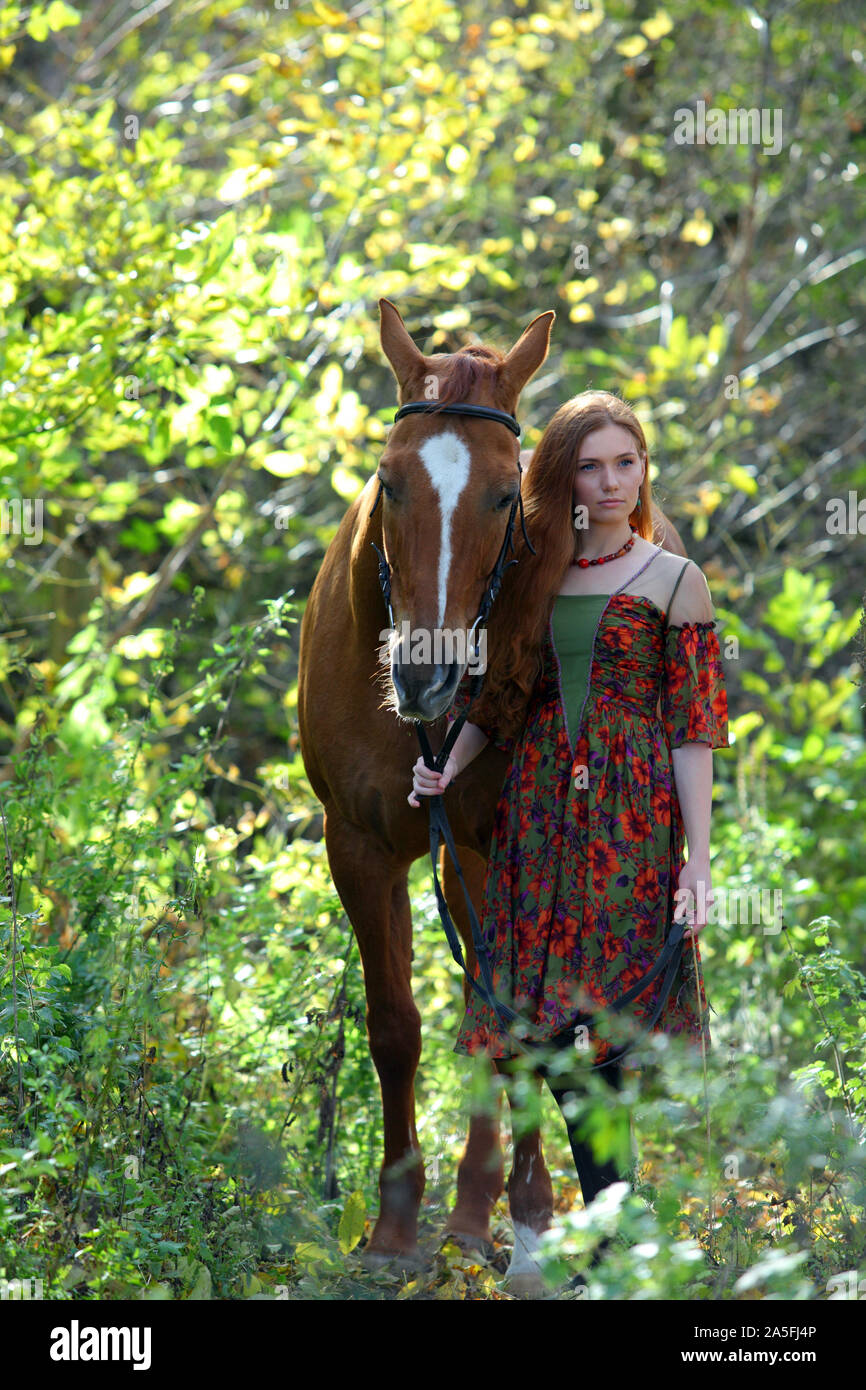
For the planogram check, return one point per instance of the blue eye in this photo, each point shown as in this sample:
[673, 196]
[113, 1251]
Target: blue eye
[628, 461]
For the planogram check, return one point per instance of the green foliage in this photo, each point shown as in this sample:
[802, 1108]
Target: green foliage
[198, 219]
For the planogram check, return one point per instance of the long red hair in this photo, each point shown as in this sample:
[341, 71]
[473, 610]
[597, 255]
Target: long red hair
[520, 615]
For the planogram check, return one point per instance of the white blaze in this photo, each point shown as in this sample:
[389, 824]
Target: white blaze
[446, 459]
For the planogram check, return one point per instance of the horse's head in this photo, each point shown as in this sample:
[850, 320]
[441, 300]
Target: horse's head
[448, 485]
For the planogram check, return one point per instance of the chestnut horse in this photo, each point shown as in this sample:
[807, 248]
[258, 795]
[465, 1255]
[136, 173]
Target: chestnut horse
[448, 481]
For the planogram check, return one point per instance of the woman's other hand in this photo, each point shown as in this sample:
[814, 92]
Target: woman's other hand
[426, 782]
[694, 896]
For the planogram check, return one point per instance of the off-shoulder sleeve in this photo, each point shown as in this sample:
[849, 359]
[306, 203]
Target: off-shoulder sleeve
[460, 702]
[694, 702]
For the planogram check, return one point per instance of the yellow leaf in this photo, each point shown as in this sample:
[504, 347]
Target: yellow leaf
[240, 183]
[698, 229]
[333, 45]
[588, 20]
[328, 13]
[619, 227]
[524, 149]
[455, 279]
[709, 498]
[740, 478]
[659, 25]
[408, 116]
[150, 642]
[579, 289]
[430, 79]
[457, 158]
[221, 839]
[421, 254]
[134, 585]
[284, 465]
[236, 82]
[631, 47]
[347, 484]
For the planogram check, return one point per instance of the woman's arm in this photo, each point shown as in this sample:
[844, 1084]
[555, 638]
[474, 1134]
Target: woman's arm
[693, 767]
[693, 775]
[467, 745]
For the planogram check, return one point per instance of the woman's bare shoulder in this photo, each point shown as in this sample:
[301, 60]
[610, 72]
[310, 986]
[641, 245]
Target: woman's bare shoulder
[692, 602]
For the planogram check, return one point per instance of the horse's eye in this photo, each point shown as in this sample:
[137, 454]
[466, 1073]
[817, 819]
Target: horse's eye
[505, 502]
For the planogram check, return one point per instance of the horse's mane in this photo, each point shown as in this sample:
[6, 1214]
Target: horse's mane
[469, 369]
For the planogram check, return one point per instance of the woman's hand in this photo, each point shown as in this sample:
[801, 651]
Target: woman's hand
[695, 896]
[426, 782]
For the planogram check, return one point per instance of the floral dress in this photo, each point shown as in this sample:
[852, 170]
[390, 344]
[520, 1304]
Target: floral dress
[588, 840]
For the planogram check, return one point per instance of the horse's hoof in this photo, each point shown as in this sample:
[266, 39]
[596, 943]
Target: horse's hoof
[472, 1246]
[526, 1286]
[396, 1262]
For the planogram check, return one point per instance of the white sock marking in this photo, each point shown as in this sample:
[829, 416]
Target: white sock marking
[525, 1244]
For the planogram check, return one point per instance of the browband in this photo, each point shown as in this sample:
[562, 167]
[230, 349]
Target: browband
[483, 412]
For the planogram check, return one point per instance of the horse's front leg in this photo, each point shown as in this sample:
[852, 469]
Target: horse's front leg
[480, 1174]
[373, 891]
[530, 1197]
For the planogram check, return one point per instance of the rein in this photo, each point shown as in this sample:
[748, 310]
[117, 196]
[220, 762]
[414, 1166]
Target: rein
[668, 958]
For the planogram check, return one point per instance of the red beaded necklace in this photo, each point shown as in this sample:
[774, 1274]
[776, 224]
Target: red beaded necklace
[603, 559]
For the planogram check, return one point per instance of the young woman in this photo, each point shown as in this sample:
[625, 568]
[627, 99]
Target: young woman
[605, 686]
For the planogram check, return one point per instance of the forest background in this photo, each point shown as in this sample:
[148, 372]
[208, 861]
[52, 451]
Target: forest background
[200, 205]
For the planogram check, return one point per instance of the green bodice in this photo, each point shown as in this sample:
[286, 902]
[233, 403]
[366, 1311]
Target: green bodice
[575, 619]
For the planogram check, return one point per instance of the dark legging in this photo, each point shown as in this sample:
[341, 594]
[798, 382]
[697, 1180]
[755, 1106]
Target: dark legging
[594, 1176]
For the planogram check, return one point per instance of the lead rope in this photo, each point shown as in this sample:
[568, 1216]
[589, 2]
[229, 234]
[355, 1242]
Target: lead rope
[712, 1191]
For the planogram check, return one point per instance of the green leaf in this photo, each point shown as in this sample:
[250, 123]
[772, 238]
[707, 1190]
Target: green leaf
[351, 1226]
[219, 431]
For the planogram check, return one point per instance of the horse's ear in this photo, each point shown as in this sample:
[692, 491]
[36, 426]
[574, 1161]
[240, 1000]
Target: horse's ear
[528, 353]
[401, 352]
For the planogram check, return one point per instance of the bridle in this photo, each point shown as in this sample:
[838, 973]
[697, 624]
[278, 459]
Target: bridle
[481, 412]
[669, 956]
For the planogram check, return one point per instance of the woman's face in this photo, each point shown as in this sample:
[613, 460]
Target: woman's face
[609, 466]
